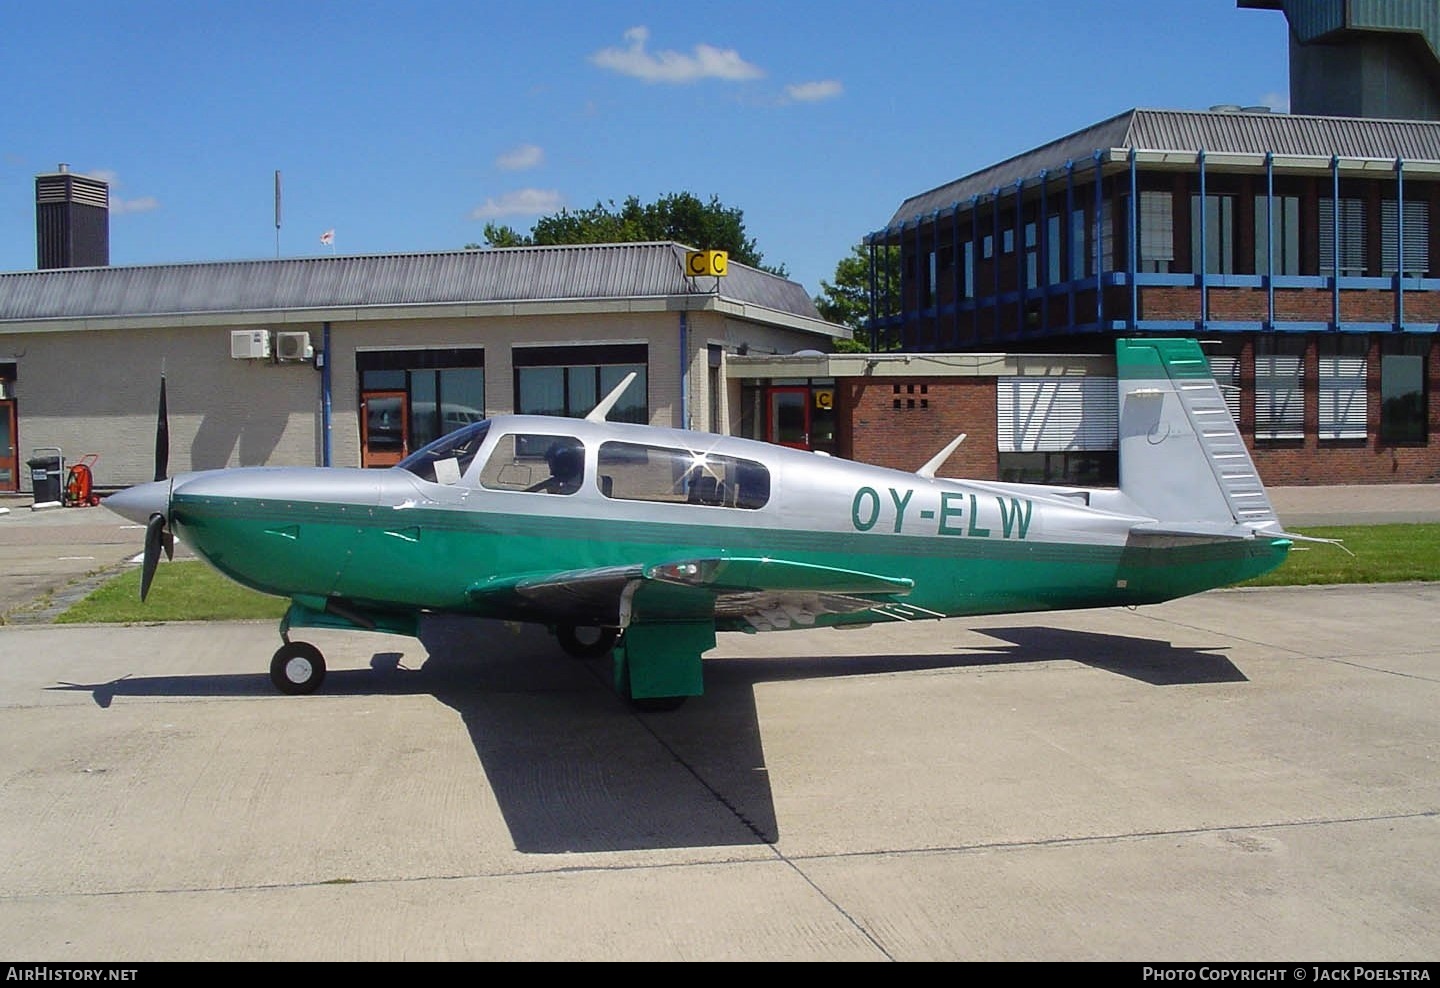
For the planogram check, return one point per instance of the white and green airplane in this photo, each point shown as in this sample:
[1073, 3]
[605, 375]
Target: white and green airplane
[647, 541]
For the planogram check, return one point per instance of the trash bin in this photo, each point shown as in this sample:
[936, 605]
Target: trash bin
[45, 474]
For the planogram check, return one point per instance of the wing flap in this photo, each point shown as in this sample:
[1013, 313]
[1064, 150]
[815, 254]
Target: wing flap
[762, 592]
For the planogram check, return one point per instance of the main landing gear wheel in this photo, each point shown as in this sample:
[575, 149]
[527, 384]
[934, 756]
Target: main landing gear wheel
[586, 643]
[297, 668]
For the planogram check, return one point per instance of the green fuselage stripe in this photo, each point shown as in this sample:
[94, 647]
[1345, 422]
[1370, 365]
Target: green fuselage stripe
[429, 558]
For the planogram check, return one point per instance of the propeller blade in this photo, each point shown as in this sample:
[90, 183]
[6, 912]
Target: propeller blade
[162, 436]
[154, 540]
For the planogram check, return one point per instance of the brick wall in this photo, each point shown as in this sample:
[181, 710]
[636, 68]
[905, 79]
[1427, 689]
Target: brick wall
[931, 412]
[1369, 461]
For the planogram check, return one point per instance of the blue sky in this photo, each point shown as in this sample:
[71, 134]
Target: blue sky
[406, 126]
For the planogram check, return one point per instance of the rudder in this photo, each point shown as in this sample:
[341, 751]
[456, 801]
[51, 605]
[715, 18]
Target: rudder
[1182, 457]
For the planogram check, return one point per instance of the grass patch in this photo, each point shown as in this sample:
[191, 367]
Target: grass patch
[1382, 554]
[183, 591]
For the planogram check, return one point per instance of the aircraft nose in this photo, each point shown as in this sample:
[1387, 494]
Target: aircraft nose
[138, 503]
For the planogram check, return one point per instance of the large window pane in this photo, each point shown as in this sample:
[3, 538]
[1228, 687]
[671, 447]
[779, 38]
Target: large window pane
[542, 390]
[1283, 214]
[1279, 397]
[1403, 406]
[1416, 240]
[424, 418]
[1342, 387]
[1219, 233]
[462, 397]
[1351, 222]
[1157, 231]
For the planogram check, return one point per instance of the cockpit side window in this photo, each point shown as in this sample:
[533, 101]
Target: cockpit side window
[636, 472]
[445, 460]
[536, 464]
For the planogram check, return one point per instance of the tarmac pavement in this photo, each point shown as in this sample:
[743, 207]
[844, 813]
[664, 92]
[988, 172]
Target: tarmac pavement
[1240, 775]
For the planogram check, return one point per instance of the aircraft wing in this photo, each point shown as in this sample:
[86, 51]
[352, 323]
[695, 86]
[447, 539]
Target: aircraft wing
[763, 592]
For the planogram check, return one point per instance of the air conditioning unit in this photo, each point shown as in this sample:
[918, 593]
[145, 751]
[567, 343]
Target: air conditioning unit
[293, 346]
[250, 344]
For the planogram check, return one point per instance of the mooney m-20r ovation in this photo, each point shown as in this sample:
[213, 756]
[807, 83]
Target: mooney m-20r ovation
[647, 541]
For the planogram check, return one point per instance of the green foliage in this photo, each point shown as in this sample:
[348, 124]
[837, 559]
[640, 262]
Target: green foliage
[847, 300]
[678, 216]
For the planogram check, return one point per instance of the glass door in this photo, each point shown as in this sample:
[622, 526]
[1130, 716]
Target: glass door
[788, 421]
[384, 426]
[9, 469]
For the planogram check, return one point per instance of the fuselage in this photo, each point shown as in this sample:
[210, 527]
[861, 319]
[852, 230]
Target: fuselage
[423, 535]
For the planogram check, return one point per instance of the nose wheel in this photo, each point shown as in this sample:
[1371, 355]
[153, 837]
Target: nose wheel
[297, 668]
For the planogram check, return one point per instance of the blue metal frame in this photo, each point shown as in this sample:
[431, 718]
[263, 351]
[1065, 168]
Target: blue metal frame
[969, 298]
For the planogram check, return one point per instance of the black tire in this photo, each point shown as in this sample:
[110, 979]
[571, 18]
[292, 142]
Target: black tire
[658, 704]
[586, 642]
[297, 668]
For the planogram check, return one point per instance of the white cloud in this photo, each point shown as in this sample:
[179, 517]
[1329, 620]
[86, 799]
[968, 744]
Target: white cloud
[521, 202]
[810, 92]
[706, 62]
[1279, 102]
[520, 158]
[118, 206]
[141, 205]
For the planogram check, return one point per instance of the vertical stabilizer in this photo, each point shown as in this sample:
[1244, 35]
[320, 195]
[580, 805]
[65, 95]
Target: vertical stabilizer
[1182, 458]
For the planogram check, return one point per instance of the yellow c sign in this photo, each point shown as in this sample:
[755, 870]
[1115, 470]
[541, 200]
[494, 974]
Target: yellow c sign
[711, 263]
[825, 400]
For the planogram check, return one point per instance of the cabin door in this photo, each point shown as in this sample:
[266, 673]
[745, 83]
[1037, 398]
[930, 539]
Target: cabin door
[9, 461]
[384, 428]
[787, 420]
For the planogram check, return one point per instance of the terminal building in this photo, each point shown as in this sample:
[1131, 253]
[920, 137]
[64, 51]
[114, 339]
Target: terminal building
[1301, 249]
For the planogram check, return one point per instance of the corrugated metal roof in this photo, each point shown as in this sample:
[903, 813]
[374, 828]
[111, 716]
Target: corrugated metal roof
[1187, 130]
[512, 274]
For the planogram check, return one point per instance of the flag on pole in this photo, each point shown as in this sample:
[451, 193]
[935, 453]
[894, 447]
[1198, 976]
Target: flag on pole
[328, 238]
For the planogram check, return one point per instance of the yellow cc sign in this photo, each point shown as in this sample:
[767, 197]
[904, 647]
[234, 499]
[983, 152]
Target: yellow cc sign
[709, 263]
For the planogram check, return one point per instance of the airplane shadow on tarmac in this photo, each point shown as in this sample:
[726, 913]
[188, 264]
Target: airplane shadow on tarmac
[573, 768]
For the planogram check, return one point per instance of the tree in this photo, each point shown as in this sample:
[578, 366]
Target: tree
[847, 300]
[678, 216]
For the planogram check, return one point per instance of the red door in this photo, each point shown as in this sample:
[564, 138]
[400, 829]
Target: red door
[384, 428]
[9, 462]
[787, 421]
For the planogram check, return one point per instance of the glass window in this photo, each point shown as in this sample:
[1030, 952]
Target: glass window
[636, 472]
[1157, 231]
[1279, 398]
[1032, 256]
[572, 390]
[1219, 244]
[1077, 245]
[1352, 244]
[1283, 214]
[1083, 469]
[535, 464]
[461, 397]
[1416, 241]
[1342, 387]
[446, 459]
[1052, 249]
[1403, 407]
[1224, 360]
